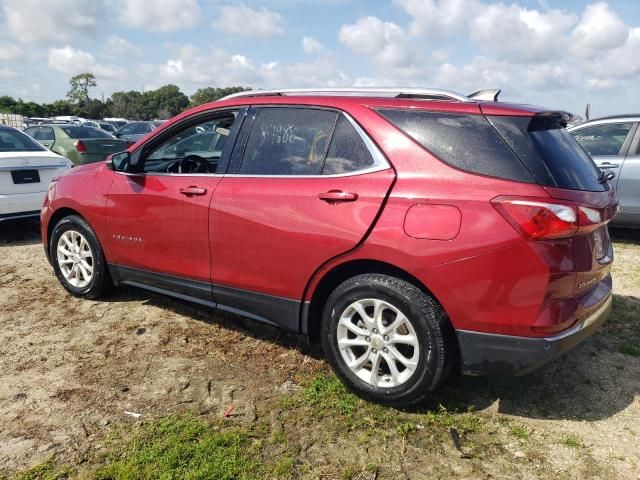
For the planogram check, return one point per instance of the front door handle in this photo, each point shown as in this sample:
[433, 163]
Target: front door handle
[193, 191]
[338, 196]
[609, 165]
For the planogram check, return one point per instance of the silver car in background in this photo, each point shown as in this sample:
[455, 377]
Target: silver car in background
[614, 144]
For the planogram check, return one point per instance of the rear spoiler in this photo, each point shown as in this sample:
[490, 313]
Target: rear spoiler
[545, 120]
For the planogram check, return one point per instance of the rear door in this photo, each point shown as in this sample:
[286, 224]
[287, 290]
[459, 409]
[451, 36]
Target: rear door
[629, 184]
[304, 186]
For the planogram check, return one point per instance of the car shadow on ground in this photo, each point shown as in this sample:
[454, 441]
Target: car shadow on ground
[19, 232]
[592, 382]
[626, 235]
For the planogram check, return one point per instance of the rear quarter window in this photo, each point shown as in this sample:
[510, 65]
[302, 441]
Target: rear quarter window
[465, 141]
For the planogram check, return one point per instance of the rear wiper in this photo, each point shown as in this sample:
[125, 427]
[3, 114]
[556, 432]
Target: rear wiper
[605, 177]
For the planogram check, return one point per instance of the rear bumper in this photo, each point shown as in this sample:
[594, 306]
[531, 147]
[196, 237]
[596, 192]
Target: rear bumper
[21, 205]
[505, 355]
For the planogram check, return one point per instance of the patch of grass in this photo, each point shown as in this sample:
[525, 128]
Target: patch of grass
[406, 428]
[329, 395]
[47, 471]
[516, 429]
[284, 468]
[630, 349]
[182, 447]
[468, 422]
[573, 441]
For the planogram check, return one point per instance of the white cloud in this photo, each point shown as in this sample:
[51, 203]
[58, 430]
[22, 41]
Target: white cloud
[34, 21]
[311, 46]
[118, 46]
[73, 61]
[439, 17]
[386, 43]
[7, 73]
[8, 51]
[519, 33]
[245, 21]
[190, 67]
[159, 15]
[600, 28]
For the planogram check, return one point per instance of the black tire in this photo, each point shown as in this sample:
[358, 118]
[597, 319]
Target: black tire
[425, 315]
[101, 280]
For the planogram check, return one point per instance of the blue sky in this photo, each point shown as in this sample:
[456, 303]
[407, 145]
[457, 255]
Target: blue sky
[558, 54]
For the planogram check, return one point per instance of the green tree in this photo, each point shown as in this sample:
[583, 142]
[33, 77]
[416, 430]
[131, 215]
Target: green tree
[165, 102]
[211, 94]
[126, 105]
[80, 85]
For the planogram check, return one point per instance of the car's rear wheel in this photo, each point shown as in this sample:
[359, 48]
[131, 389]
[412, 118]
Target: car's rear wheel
[78, 259]
[386, 339]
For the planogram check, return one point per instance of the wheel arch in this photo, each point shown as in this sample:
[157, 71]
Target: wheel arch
[58, 215]
[312, 312]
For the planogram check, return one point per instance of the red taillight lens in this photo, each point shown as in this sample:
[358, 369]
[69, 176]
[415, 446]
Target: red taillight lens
[543, 219]
[80, 146]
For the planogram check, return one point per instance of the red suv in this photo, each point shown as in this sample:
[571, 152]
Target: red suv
[410, 231]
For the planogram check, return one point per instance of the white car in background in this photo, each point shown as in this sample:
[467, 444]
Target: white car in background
[26, 168]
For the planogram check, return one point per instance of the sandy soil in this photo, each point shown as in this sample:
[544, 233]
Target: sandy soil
[70, 368]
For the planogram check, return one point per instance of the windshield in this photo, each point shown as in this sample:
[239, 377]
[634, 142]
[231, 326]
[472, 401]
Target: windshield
[85, 132]
[15, 141]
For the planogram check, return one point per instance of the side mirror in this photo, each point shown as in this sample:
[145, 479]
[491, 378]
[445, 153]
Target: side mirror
[119, 162]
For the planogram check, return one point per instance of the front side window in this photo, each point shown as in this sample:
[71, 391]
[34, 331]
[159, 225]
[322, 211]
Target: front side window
[288, 141]
[605, 139]
[194, 149]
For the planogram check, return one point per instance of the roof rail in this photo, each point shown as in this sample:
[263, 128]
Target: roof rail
[418, 93]
[489, 95]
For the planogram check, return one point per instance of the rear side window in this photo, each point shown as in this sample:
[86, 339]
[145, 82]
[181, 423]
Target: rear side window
[464, 141]
[288, 141]
[347, 152]
[85, 132]
[605, 139]
[549, 151]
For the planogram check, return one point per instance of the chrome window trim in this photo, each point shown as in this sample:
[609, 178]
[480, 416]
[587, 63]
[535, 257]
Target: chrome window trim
[34, 167]
[380, 162]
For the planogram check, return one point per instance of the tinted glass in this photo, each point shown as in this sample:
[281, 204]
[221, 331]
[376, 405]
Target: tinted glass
[15, 141]
[347, 151]
[606, 139]
[550, 151]
[464, 141]
[85, 132]
[288, 141]
[130, 129]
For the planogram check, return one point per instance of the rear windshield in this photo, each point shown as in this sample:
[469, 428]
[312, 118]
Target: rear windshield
[464, 141]
[85, 132]
[15, 141]
[555, 158]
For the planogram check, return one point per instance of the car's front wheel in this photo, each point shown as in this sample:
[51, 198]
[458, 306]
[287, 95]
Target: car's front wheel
[386, 339]
[78, 259]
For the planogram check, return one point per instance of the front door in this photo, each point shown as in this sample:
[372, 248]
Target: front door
[158, 219]
[307, 188]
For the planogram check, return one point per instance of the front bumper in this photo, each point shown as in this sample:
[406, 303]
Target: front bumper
[496, 355]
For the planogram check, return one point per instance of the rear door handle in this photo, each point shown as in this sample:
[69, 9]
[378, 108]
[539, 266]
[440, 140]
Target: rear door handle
[609, 165]
[338, 196]
[192, 191]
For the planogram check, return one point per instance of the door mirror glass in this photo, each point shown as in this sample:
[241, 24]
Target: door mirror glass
[120, 161]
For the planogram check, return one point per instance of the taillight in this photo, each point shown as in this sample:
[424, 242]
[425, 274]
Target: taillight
[80, 146]
[544, 219]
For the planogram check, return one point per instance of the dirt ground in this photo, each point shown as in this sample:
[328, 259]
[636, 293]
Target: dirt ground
[72, 369]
